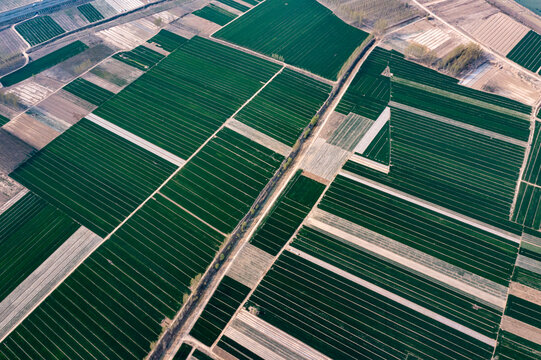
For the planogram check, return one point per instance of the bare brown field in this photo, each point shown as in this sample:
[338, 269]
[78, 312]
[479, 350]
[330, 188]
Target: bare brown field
[66, 107]
[498, 31]
[200, 25]
[31, 131]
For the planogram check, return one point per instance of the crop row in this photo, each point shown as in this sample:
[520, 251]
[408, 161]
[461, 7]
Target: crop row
[524, 311]
[215, 14]
[450, 240]
[345, 320]
[464, 171]
[227, 298]
[513, 347]
[114, 304]
[94, 175]
[528, 51]
[402, 68]
[141, 57]
[380, 148]
[30, 231]
[532, 173]
[235, 5]
[221, 182]
[88, 91]
[90, 12]
[285, 106]
[237, 350]
[369, 92]
[517, 127]
[398, 280]
[44, 63]
[302, 32]
[527, 277]
[39, 29]
[183, 352]
[528, 207]
[167, 40]
[285, 217]
[184, 99]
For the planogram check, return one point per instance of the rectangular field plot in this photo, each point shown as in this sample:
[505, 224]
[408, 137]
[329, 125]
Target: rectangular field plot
[285, 106]
[464, 171]
[222, 181]
[182, 101]
[44, 63]
[215, 14]
[380, 148]
[483, 115]
[234, 5]
[410, 285]
[183, 352]
[94, 175]
[222, 305]
[88, 91]
[532, 173]
[30, 231]
[141, 57]
[528, 51]
[167, 40]
[90, 12]
[345, 320]
[305, 33]
[447, 239]
[113, 305]
[285, 217]
[370, 91]
[513, 347]
[442, 84]
[524, 311]
[3, 120]
[528, 207]
[39, 29]
[237, 350]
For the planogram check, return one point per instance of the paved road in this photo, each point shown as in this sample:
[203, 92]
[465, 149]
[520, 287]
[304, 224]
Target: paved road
[18, 14]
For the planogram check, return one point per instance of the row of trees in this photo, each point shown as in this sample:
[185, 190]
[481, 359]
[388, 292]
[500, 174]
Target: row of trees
[459, 60]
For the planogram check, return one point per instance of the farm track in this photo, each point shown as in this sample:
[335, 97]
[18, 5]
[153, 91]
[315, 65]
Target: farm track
[190, 317]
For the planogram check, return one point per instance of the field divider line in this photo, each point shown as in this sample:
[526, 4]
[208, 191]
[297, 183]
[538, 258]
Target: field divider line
[533, 121]
[459, 124]
[296, 348]
[374, 130]
[432, 207]
[263, 56]
[192, 214]
[430, 268]
[236, 18]
[396, 298]
[276, 195]
[13, 200]
[259, 137]
[173, 174]
[134, 139]
[36, 286]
